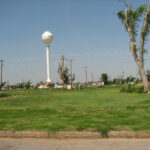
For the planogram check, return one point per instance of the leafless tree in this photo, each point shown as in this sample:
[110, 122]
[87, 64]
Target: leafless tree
[131, 18]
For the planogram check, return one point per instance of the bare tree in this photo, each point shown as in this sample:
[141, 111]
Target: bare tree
[130, 18]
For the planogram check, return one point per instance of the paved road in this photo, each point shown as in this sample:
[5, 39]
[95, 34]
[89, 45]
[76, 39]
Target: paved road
[98, 144]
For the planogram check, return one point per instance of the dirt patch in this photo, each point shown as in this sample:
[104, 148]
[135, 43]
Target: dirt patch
[57, 135]
[74, 134]
[129, 134]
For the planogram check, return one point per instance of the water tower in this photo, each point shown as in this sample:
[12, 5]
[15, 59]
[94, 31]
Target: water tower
[47, 38]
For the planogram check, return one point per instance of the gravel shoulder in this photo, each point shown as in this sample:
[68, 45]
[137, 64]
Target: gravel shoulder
[74, 144]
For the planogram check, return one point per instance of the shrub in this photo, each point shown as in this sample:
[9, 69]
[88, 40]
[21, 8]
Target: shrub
[132, 89]
[3, 95]
[28, 84]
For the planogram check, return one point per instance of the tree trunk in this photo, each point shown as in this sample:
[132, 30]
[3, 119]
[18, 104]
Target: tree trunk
[140, 65]
[144, 78]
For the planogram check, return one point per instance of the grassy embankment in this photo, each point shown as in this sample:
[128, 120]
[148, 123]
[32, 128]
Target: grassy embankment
[100, 109]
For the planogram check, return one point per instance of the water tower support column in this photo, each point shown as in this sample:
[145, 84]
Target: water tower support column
[48, 64]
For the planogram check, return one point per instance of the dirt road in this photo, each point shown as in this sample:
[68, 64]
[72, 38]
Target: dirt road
[94, 144]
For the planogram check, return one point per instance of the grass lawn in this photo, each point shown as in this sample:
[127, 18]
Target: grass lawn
[99, 109]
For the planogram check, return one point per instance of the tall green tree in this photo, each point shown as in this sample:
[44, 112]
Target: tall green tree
[131, 20]
[104, 78]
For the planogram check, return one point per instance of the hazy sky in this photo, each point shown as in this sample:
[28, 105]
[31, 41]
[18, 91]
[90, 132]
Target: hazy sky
[87, 31]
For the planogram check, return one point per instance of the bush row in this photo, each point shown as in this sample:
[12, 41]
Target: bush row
[132, 89]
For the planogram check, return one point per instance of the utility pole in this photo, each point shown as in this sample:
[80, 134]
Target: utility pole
[62, 59]
[70, 71]
[86, 74]
[1, 62]
[122, 75]
[92, 77]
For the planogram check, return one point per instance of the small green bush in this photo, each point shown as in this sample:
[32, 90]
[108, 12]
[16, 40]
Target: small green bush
[3, 95]
[132, 89]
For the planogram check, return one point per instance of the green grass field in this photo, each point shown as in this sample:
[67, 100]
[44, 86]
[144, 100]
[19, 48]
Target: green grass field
[99, 109]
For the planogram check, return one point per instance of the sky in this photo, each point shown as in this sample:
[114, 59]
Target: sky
[87, 31]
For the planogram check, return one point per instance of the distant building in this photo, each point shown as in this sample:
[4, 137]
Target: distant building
[46, 85]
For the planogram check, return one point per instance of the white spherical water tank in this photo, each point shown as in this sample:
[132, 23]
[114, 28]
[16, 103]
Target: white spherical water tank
[47, 37]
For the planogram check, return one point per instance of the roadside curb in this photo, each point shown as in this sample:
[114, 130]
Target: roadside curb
[74, 134]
